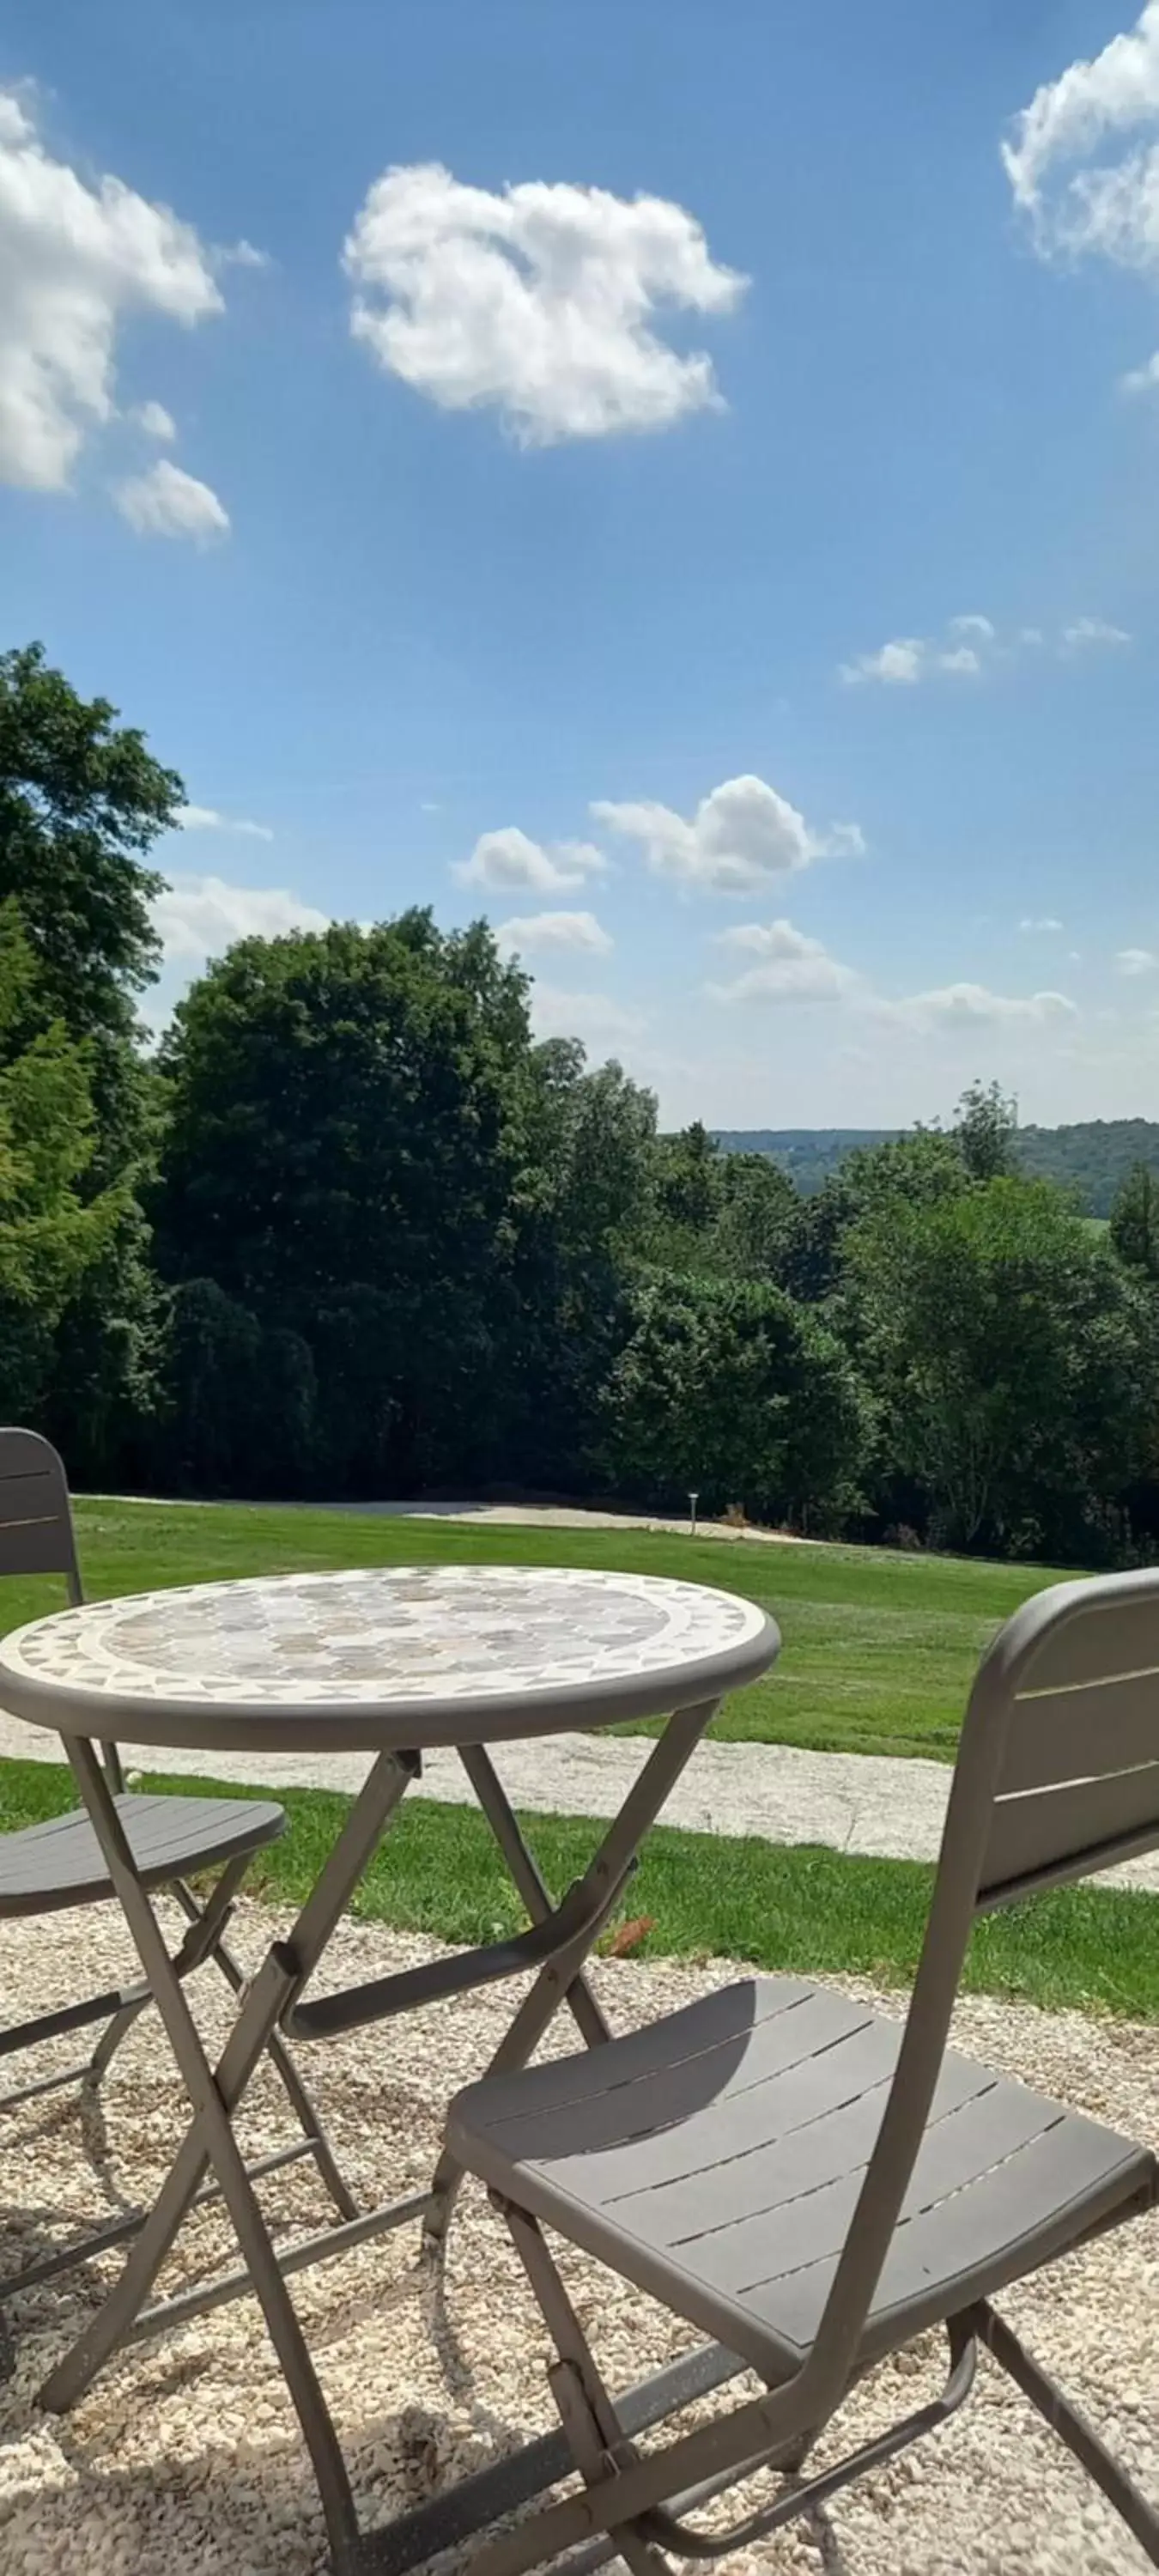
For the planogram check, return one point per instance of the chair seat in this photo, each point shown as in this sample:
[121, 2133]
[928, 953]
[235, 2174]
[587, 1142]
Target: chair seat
[60, 1862]
[715, 2159]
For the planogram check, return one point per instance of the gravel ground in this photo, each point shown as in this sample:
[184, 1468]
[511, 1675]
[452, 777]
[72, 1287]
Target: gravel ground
[185, 2460]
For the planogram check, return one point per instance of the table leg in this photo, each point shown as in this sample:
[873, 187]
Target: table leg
[595, 1896]
[589, 2015]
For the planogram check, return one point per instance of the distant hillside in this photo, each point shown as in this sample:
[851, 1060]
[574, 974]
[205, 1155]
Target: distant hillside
[1090, 1158]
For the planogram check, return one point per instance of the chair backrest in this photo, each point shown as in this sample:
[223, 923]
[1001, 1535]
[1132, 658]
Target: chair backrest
[36, 1526]
[1057, 1776]
[36, 1530]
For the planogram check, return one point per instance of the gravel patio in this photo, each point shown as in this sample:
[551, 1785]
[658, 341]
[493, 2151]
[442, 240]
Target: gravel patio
[185, 2461]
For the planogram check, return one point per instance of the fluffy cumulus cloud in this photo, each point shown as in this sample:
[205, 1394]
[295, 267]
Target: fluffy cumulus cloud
[899, 663]
[167, 502]
[1136, 961]
[198, 917]
[527, 934]
[77, 258]
[206, 818]
[507, 862]
[788, 967]
[742, 837]
[1078, 158]
[538, 300]
[1041, 921]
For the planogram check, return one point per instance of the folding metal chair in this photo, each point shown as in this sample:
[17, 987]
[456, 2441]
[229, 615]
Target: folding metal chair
[812, 2184]
[47, 1867]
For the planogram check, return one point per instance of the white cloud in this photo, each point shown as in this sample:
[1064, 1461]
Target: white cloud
[1105, 206]
[508, 862]
[529, 931]
[898, 664]
[911, 658]
[537, 300]
[76, 259]
[167, 502]
[594, 1018]
[1041, 921]
[791, 967]
[1092, 630]
[205, 818]
[1136, 961]
[741, 837]
[970, 1006]
[1142, 380]
[156, 422]
[198, 917]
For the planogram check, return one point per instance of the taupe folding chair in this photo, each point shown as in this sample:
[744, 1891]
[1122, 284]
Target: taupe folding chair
[47, 1867]
[811, 2184]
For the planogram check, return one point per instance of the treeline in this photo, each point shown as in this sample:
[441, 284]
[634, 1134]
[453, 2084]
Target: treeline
[1092, 1159]
[351, 1231]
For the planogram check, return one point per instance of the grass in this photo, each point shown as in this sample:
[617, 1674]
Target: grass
[878, 1652]
[799, 1909]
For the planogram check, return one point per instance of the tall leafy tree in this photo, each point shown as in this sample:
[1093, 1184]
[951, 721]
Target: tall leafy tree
[82, 800]
[1015, 1361]
[1134, 1223]
[730, 1389]
[986, 1132]
[349, 1131]
[51, 1236]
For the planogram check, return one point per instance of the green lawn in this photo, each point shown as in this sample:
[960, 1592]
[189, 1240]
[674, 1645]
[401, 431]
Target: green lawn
[801, 1910]
[878, 1649]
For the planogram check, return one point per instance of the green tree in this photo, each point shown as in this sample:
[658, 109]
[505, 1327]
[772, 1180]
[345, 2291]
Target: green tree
[986, 1132]
[756, 1218]
[1134, 1224]
[1015, 1362]
[349, 1135]
[731, 1390]
[582, 1196]
[916, 1170]
[81, 802]
[51, 1237]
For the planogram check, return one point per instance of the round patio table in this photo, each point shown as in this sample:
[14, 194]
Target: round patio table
[384, 1660]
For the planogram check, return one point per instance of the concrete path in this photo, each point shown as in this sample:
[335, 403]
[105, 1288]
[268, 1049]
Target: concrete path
[510, 1515]
[853, 1802]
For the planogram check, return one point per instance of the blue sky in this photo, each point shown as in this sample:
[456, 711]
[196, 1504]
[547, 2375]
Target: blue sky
[702, 508]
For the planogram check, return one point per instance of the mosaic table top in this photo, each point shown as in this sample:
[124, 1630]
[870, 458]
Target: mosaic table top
[394, 1654]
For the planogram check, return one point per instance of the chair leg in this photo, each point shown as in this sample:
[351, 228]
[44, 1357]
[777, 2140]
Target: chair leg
[598, 2442]
[1072, 2428]
[662, 2495]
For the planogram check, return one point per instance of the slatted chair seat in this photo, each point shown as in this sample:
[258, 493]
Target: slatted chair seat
[60, 1863]
[715, 2159]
